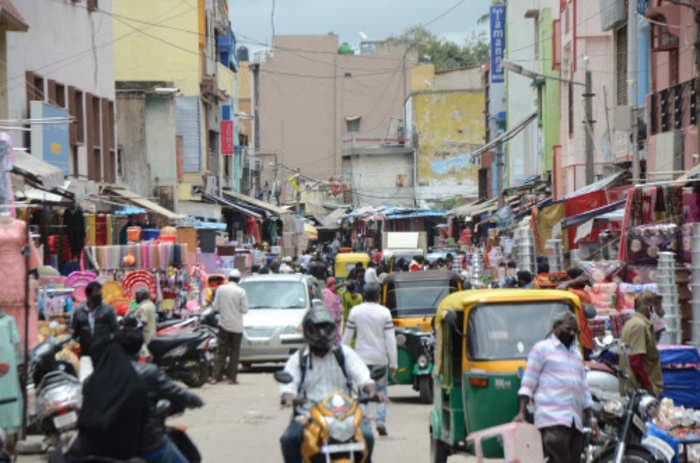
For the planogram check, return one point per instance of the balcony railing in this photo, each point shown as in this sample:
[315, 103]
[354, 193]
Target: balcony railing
[672, 108]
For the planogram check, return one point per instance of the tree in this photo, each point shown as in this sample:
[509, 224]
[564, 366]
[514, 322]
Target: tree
[444, 54]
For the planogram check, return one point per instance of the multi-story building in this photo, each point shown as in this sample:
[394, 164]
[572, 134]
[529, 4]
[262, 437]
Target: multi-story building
[445, 125]
[62, 67]
[331, 115]
[183, 53]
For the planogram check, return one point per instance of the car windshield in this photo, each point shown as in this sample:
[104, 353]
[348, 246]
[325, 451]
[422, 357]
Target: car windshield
[508, 331]
[418, 297]
[275, 294]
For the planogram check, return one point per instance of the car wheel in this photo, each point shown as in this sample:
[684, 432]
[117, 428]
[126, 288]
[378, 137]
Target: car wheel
[438, 451]
[425, 388]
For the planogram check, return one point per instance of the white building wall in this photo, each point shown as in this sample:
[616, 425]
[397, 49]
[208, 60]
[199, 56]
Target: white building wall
[160, 139]
[371, 175]
[522, 158]
[65, 42]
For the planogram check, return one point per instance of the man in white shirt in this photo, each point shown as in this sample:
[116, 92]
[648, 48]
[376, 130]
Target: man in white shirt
[371, 325]
[320, 369]
[230, 303]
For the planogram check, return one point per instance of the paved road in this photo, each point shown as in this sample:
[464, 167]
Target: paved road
[243, 423]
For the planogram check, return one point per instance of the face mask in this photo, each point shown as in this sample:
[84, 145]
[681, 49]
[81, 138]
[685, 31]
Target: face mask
[566, 338]
[657, 321]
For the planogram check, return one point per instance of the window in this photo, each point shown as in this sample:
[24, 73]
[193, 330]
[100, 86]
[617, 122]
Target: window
[508, 331]
[275, 294]
[621, 65]
[120, 162]
[60, 95]
[571, 109]
[35, 87]
[74, 155]
[352, 125]
[75, 109]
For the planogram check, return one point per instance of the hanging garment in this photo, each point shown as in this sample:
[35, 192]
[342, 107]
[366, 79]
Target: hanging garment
[74, 220]
[11, 412]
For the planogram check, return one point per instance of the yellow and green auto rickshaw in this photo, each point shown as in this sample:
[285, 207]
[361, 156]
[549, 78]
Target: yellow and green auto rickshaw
[346, 261]
[483, 338]
[413, 298]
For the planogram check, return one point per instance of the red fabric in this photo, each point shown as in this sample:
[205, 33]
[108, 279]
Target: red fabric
[640, 371]
[584, 203]
[586, 335]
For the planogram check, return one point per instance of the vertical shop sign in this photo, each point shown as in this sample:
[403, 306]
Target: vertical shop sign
[498, 42]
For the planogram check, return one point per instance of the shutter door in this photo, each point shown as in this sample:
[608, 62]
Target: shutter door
[188, 127]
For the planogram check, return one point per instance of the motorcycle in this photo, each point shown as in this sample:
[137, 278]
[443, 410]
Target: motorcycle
[57, 391]
[622, 418]
[333, 426]
[186, 357]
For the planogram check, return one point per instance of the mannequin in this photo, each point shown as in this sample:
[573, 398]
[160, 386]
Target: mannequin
[11, 411]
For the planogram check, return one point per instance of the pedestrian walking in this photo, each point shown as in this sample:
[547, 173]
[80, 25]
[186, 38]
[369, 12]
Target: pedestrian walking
[643, 364]
[146, 313]
[334, 305]
[350, 297]
[555, 379]
[93, 323]
[231, 303]
[371, 326]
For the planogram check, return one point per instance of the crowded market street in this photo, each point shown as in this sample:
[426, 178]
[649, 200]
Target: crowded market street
[244, 422]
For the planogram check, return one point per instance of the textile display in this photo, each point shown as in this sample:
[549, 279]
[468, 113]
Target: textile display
[602, 270]
[603, 296]
[11, 412]
[547, 218]
[646, 241]
[186, 235]
[686, 238]
[690, 210]
[147, 255]
[90, 230]
[627, 293]
[79, 281]
[584, 203]
[641, 274]
[668, 204]
[74, 220]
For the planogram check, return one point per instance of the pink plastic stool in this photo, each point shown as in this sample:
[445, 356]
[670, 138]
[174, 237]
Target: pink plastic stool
[522, 442]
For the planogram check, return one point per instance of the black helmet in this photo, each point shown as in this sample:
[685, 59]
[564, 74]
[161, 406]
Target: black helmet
[319, 329]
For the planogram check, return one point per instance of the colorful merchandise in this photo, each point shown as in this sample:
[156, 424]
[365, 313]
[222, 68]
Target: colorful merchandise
[602, 270]
[603, 296]
[627, 293]
[646, 241]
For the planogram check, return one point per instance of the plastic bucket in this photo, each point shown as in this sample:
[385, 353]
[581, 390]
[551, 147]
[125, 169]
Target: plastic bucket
[133, 234]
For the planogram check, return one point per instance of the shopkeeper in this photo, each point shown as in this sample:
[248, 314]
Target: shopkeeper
[93, 321]
[644, 365]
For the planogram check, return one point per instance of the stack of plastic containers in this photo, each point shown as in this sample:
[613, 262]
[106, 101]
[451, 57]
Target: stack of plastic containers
[667, 288]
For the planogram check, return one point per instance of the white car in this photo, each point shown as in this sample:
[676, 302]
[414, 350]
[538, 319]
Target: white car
[277, 304]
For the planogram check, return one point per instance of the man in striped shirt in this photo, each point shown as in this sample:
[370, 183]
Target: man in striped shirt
[555, 379]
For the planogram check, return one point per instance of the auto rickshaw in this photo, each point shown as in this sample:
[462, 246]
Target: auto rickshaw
[346, 261]
[483, 338]
[412, 298]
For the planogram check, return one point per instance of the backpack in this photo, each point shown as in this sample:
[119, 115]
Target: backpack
[339, 357]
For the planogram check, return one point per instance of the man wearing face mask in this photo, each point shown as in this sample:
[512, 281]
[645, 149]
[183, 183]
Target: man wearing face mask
[643, 365]
[93, 322]
[555, 378]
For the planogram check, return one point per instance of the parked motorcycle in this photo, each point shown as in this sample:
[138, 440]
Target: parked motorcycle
[333, 426]
[186, 357]
[622, 418]
[57, 391]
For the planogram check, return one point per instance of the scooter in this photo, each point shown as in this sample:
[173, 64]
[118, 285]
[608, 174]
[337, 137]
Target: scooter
[186, 357]
[622, 419]
[57, 389]
[333, 426]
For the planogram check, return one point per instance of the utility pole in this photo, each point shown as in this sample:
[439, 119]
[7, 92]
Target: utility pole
[632, 66]
[588, 125]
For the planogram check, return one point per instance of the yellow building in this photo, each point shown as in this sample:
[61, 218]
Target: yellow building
[448, 125]
[189, 43]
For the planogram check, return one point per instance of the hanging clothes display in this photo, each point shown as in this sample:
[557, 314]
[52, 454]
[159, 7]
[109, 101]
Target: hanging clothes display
[10, 412]
[13, 239]
[74, 220]
[7, 158]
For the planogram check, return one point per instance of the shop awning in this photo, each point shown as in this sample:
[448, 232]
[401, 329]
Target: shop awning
[230, 204]
[250, 202]
[331, 221]
[36, 171]
[310, 231]
[595, 186]
[592, 214]
[139, 200]
[416, 214]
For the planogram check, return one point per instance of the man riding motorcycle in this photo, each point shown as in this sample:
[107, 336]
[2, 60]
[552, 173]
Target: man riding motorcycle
[321, 368]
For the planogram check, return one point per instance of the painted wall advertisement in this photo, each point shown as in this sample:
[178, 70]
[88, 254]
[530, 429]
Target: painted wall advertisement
[498, 42]
[51, 141]
[227, 145]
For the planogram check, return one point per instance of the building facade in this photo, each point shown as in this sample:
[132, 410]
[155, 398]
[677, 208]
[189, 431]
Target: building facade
[62, 68]
[192, 46]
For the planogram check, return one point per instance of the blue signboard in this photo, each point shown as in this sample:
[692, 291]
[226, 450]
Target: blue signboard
[498, 42]
[56, 139]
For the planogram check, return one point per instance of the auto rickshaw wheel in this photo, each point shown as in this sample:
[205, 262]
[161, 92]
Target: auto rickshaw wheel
[438, 451]
[425, 389]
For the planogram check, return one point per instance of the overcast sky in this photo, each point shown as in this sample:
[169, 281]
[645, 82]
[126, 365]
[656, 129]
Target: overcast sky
[347, 18]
